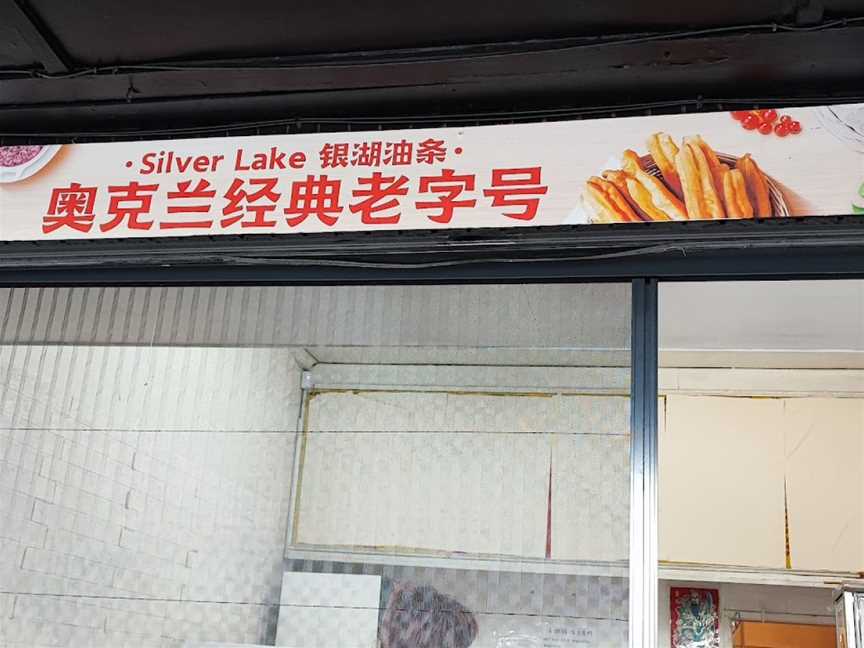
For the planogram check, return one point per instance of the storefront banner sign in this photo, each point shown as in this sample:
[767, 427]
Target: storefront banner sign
[756, 164]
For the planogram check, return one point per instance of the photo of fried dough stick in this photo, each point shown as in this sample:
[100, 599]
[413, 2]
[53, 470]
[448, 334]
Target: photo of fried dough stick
[757, 186]
[735, 195]
[646, 203]
[664, 150]
[714, 162]
[619, 179]
[711, 202]
[662, 196]
[607, 202]
[682, 179]
[686, 166]
[630, 162]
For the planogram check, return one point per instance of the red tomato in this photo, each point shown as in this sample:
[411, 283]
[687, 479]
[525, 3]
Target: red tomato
[785, 119]
[765, 128]
[751, 122]
[795, 127]
[739, 114]
[769, 115]
[782, 129]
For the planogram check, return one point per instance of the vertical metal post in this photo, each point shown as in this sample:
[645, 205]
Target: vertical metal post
[643, 465]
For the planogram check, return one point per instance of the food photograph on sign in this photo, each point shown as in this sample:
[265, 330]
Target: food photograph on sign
[21, 162]
[687, 180]
[756, 164]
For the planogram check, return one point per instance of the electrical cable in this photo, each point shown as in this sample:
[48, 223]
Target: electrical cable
[56, 260]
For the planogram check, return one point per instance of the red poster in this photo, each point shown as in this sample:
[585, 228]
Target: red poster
[695, 617]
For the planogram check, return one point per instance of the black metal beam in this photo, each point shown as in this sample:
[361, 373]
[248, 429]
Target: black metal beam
[819, 247]
[727, 265]
[47, 52]
[781, 67]
[432, 246]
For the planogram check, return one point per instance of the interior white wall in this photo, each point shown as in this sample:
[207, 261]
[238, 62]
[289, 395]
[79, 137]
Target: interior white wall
[583, 316]
[730, 316]
[762, 315]
[143, 493]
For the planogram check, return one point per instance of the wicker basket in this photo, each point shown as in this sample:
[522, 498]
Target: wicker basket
[779, 208]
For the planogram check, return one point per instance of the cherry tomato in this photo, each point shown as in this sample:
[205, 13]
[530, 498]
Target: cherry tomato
[765, 128]
[785, 119]
[769, 115]
[751, 122]
[739, 114]
[782, 129]
[795, 127]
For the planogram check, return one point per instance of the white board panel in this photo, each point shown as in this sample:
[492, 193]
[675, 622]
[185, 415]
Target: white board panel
[462, 487]
[721, 481]
[825, 482]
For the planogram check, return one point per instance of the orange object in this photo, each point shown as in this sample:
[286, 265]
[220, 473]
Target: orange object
[754, 634]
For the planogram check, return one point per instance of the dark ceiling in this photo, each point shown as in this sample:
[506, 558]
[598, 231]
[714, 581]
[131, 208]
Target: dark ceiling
[88, 68]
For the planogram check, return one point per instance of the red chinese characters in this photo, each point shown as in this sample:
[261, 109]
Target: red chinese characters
[259, 200]
[378, 193]
[448, 187]
[195, 203]
[377, 153]
[70, 206]
[517, 188]
[315, 196]
[333, 156]
[369, 197]
[128, 203]
[398, 153]
[367, 154]
[430, 151]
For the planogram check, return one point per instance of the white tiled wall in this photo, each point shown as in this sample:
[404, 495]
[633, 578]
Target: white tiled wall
[590, 316]
[143, 493]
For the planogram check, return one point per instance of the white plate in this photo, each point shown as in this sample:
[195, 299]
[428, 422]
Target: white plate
[29, 168]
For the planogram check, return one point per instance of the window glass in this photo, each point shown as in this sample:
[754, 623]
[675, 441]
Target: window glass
[429, 467]
[761, 477]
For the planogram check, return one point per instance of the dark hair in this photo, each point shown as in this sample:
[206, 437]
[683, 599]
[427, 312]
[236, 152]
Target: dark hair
[419, 616]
